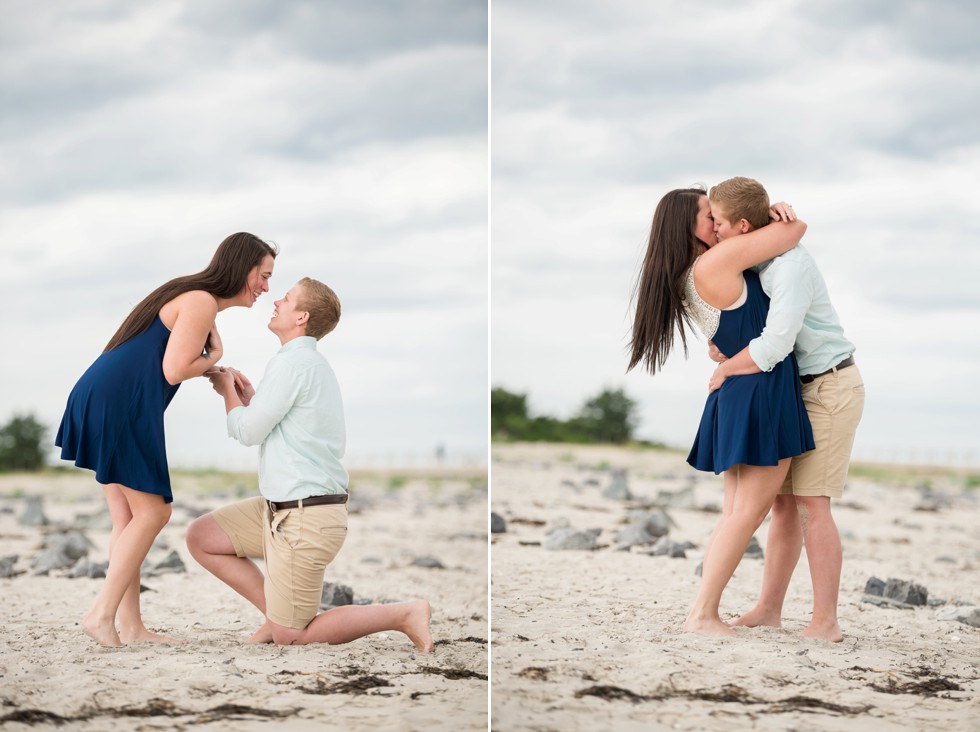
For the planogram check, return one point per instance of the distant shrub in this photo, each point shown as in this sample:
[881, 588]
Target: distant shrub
[22, 444]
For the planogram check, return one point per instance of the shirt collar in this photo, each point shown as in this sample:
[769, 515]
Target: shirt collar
[299, 342]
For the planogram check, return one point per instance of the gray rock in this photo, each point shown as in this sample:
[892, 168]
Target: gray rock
[87, 568]
[497, 523]
[99, 521]
[51, 558]
[7, 565]
[61, 551]
[874, 586]
[33, 513]
[656, 523]
[905, 591]
[571, 539]
[683, 498]
[428, 562]
[886, 602]
[968, 615]
[171, 564]
[666, 547]
[74, 544]
[618, 490]
[634, 535]
[335, 594]
[754, 550]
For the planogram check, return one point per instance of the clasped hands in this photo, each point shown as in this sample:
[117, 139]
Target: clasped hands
[225, 378]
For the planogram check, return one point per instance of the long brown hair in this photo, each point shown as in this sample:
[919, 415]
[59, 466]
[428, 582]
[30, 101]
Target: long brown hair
[224, 277]
[659, 289]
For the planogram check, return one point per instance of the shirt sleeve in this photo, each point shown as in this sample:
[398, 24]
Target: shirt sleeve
[790, 291]
[272, 400]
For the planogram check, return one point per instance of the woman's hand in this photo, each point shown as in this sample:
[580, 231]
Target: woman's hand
[715, 354]
[782, 212]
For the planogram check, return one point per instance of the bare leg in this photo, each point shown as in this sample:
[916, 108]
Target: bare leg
[757, 487]
[825, 558]
[213, 550]
[782, 555]
[350, 622]
[731, 484]
[148, 513]
[131, 626]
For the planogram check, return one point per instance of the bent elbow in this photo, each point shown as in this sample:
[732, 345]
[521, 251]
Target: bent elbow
[247, 441]
[801, 225]
[172, 376]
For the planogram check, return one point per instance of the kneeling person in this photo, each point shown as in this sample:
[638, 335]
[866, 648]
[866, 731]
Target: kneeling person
[299, 523]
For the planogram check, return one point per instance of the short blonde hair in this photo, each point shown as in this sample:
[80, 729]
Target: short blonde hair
[322, 304]
[742, 198]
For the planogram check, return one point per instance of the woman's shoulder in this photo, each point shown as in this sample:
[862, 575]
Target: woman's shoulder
[192, 302]
[196, 299]
[706, 316]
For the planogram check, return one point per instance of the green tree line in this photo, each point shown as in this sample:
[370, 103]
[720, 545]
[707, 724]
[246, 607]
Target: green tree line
[608, 417]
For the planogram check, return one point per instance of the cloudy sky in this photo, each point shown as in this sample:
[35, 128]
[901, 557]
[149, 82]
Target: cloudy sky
[861, 113]
[136, 136]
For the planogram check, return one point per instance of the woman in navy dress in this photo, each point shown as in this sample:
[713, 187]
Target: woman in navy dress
[750, 430]
[113, 423]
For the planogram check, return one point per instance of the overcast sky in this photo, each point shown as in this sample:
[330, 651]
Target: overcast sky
[136, 136]
[861, 113]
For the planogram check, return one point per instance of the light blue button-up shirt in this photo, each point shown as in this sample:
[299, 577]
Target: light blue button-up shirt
[801, 317]
[297, 416]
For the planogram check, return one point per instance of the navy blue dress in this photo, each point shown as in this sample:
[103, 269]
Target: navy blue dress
[755, 419]
[113, 423]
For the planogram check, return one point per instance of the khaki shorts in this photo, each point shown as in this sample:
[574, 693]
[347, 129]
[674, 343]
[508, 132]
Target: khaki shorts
[834, 404]
[296, 545]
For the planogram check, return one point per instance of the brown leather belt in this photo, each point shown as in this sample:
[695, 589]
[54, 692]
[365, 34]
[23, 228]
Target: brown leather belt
[311, 501]
[849, 361]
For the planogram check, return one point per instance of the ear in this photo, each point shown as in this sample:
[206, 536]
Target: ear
[744, 226]
[302, 318]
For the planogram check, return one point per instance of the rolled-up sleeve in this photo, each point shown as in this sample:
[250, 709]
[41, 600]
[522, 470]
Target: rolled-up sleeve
[272, 400]
[790, 291]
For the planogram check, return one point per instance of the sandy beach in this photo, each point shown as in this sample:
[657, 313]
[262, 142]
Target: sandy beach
[590, 639]
[52, 675]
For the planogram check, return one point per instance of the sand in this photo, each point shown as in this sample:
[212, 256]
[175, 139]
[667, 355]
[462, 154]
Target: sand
[591, 640]
[52, 675]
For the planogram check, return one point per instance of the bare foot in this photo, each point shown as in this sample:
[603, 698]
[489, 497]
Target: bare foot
[827, 631]
[707, 626]
[144, 635]
[416, 625]
[262, 635]
[756, 617]
[102, 632]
